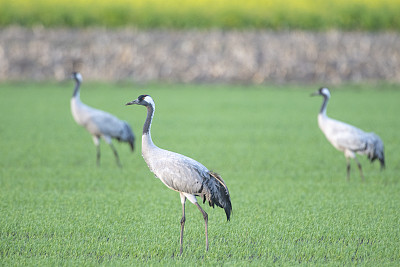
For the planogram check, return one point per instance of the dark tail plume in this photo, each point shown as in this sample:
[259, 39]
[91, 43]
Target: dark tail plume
[132, 144]
[382, 161]
[219, 194]
[129, 136]
[377, 150]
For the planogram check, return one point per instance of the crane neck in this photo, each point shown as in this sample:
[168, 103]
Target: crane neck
[76, 90]
[147, 142]
[149, 119]
[324, 105]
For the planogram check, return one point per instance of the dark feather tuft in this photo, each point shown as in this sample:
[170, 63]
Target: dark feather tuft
[375, 149]
[220, 195]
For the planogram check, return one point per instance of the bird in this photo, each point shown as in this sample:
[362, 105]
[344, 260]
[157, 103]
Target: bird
[182, 174]
[347, 138]
[100, 124]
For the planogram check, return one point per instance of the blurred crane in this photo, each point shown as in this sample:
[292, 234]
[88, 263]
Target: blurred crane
[182, 174]
[98, 123]
[347, 138]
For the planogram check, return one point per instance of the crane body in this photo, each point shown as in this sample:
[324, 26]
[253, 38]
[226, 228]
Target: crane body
[348, 138]
[100, 124]
[182, 174]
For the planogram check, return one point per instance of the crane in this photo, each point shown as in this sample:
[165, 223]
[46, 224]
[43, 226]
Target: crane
[182, 174]
[98, 123]
[347, 138]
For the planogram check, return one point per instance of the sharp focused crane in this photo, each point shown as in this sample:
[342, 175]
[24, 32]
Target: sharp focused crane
[182, 174]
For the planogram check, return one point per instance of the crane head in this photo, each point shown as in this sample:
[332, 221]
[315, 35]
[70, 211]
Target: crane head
[322, 91]
[144, 100]
[77, 76]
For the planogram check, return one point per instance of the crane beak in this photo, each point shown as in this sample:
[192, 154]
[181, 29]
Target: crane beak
[315, 93]
[132, 102]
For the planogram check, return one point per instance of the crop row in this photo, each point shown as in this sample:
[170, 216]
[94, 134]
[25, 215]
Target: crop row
[367, 15]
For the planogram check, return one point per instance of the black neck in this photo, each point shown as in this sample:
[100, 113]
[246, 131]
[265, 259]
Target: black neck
[76, 91]
[147, 123]
[324, 104]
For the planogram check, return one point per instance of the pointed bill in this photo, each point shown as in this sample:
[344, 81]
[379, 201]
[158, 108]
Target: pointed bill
[132, 102]
[315, 93]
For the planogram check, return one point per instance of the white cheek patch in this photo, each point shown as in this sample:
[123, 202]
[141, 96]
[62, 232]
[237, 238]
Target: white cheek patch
[79, 77]
[149, 100]
[325, 91]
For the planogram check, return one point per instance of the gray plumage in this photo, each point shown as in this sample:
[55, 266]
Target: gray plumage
[349, 139]
[182, 174]
[100, 124]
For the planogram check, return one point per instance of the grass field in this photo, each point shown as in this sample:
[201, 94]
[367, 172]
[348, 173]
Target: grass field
[291, 201]
[370, 15]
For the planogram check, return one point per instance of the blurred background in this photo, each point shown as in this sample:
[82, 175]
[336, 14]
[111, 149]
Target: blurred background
[201, 41]
[232, 80]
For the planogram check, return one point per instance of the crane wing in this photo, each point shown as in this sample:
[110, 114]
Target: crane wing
[343, 136]
[178, 172]
[107, 123]
[353, 141]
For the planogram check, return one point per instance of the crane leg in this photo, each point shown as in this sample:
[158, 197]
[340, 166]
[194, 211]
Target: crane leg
[360, 168]
[205, 216]
[348, 169]
[96, 141]
[183, 200]
[98, 155]
[116, 155]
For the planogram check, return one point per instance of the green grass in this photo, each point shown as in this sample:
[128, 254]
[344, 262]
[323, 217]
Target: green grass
[291, 201]
[369, 15]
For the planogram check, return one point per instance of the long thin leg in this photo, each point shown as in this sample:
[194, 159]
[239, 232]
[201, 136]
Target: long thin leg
[98, 155]
[115, 154]
[96, 141]
[183, 200]
[205, 216]
[348, 169]
[359, 167]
